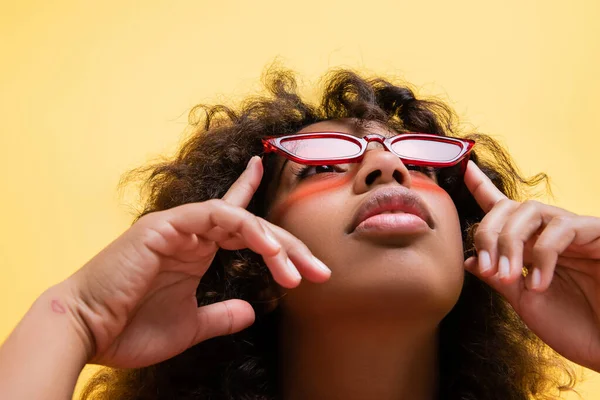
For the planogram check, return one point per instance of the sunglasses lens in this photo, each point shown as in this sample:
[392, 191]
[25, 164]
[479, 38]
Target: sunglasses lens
[427, 150]
[321, 148]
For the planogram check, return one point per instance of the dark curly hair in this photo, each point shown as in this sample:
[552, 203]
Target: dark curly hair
[486, 352]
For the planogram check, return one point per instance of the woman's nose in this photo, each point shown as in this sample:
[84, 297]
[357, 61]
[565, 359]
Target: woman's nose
[380, 167]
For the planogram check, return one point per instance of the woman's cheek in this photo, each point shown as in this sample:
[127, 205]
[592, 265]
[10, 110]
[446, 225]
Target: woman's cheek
[319, 222]
[422, 184]
[440, 203]
[304, 193]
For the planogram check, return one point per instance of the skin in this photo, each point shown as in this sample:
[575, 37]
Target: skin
[133, 304]
[370, 332]
[382, 274]
[562, 252]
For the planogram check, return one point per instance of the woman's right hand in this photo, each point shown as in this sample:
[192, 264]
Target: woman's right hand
[136, 299]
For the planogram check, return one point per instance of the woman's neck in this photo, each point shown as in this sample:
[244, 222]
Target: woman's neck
[364, 357]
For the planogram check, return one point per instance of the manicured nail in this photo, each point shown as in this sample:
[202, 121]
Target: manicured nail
[320, 264]
[536, 278]
[503, 267]
[485, 262]
[293, 269]
[271, 239]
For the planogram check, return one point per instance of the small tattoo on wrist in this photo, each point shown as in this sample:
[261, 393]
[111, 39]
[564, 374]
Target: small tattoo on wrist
[57, 307]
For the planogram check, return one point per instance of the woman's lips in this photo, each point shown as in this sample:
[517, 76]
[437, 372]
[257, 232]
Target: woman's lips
[392, 209]
[394, 223]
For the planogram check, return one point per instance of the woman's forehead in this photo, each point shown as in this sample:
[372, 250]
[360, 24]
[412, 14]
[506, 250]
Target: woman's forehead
[350, 126]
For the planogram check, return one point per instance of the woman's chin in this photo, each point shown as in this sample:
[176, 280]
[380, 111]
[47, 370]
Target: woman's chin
[392, 291]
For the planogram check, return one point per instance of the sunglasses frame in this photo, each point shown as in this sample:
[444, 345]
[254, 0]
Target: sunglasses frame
[274, 144]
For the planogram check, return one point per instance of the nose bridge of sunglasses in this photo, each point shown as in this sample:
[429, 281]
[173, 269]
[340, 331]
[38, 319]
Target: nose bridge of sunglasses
[374, 137]
[375, 140]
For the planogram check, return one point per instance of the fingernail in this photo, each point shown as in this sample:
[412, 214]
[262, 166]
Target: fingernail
[536, 278]
[485, 262]
[503, 267]
[470, 263]
[272, 239]
[293, 269]
[321, 265]
[252, 159]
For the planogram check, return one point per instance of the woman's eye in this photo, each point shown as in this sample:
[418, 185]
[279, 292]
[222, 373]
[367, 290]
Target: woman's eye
[310, 170]
[428, 171]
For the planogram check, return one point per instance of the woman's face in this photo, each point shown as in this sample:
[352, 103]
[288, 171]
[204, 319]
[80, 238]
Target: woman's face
[383, 265]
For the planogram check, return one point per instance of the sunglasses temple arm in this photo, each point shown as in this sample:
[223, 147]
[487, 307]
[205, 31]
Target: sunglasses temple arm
[268, 147]
[463, 165]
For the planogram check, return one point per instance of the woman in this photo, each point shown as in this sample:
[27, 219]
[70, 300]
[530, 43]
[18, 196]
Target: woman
[380, 229]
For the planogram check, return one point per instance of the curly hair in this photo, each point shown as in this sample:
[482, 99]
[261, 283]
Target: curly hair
[486, 351]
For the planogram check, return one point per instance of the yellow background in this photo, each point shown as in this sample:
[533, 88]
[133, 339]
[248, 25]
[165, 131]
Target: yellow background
[91, 89]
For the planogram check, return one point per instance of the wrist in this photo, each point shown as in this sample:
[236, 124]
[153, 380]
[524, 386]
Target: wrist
[61, 301]
[45, 353]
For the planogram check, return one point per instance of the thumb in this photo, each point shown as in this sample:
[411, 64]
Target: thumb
[223, 318]
[481, 187]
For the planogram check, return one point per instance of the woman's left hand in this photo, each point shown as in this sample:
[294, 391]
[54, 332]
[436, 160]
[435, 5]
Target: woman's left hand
[559, 300]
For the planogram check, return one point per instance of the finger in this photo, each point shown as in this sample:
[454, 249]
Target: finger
[303, 263]
[555, 238]
[524, 223]
[201, 218]
[585, 246]
[281, 266]
[487, 233]
[587, 240]
[242, 190]
[240, 223]
[283, 269]
[218, 234]
[309, 266]
[160, 238]
[483, 189]
[510, 291]
[471, 264]
[234, 242]
[223, 318]
[204, 251]
[302, 259]
[160, 231]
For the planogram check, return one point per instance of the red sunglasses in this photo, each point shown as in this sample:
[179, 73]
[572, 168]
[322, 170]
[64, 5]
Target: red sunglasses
[325, 148]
